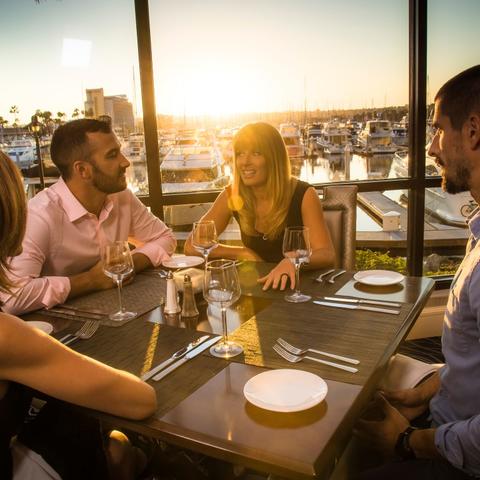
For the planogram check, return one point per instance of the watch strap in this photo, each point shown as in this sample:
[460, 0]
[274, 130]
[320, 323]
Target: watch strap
[402, 447]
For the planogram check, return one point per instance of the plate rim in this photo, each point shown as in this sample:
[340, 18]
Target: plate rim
[282, 409]
[35, 323]
[401, 277]
[173, 259]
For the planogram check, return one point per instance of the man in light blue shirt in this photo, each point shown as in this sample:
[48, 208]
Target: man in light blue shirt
[450, 447]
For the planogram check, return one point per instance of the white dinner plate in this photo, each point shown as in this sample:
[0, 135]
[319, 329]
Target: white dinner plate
[183, 261]
[285, 390]
[43, 326]
[378, 277]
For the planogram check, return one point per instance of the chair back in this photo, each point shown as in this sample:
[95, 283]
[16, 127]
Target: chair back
[340, 211]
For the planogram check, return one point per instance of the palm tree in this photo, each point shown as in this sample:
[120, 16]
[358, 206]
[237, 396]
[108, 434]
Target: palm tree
[14, 111]
[76, 113]
[60, 115]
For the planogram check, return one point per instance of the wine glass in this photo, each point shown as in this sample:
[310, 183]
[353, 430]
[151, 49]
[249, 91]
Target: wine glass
[296, 247]
[221, 288]
[118, 264]
[204, 237]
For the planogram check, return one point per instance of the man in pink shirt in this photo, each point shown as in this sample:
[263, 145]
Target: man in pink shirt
[69, 222]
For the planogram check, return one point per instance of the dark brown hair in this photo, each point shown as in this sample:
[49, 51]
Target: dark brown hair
[13, 216]
[460, 96]
[69, 142]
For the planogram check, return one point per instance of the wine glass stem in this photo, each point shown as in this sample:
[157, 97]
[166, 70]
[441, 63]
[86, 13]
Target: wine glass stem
[224, 325]
[297, 279]
[120, 302]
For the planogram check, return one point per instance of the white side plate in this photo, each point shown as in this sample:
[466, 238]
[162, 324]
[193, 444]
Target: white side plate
[183, 261]
[378, 277]
[285, 390]
[43, 326]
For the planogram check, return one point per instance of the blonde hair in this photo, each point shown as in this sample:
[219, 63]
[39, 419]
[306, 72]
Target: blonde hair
[267, 140]
[13, 216]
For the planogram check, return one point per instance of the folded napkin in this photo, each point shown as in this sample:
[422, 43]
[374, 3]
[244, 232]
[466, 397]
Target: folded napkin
[406, 372]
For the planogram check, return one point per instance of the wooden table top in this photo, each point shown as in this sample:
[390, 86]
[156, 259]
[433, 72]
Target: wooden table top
[202, 406]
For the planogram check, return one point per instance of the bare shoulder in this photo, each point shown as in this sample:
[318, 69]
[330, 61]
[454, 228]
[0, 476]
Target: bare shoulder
[311, 198]
[11, 329]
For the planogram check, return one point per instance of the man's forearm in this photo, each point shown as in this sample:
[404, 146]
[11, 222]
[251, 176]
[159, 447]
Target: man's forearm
[141, 262]
[429, 387]
[81, 284]
[422, 443]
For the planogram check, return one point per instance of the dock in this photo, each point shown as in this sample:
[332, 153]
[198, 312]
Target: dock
[437, 235]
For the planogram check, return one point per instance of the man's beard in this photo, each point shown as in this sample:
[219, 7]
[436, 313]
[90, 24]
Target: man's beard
[107, 184]
[461, 182]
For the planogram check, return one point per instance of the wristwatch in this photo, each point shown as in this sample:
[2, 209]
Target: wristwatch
[402, 447]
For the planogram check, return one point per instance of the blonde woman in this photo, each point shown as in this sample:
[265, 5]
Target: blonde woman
[264, 199]
[30, 358]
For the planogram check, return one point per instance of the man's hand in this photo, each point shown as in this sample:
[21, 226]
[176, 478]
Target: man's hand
[382, 434]
[98, 279]
[410, 402]
[279, 276]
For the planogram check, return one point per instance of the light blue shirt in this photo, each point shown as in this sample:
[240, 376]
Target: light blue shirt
[455, 408]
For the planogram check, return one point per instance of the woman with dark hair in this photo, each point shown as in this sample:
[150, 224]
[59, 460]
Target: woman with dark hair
[30, 358]
[265, 199]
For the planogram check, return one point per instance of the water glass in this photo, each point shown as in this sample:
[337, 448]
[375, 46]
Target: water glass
[204, 237]
[118, 264]
[296, 247]
[221, 288]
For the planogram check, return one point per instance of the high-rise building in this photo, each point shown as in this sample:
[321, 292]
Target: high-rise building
[117, 107]
[95, 104]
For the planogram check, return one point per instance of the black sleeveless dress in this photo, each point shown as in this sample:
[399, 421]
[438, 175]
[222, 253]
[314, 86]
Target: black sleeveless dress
[271, 250]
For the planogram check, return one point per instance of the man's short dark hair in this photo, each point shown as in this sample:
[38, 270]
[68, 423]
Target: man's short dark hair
[460, 96]
[69, 142]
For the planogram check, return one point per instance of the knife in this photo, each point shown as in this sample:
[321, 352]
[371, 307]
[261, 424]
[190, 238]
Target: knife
[177, 355]
[77, 313]
[187, 357]
[356, 307]
[370, 302]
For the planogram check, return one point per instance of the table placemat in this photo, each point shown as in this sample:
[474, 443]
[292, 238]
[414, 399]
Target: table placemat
[142, 295]
[355, 334]
[140, 345]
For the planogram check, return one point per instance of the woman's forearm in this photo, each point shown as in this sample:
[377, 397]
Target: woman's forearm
[321, 258]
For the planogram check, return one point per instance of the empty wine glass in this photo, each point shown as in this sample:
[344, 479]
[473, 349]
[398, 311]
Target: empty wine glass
[296, 247]
[222, 288]
[118, 264]
[204, 237]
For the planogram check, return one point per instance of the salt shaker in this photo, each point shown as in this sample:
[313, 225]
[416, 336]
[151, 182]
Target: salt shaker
[171, 305]
[189, 307]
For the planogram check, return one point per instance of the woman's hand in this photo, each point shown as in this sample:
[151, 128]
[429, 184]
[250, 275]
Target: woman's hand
[279, 276]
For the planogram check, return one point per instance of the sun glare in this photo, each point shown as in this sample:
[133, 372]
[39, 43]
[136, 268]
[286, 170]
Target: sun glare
[212, 90]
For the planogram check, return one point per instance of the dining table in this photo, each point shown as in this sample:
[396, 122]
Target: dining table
[202, 406]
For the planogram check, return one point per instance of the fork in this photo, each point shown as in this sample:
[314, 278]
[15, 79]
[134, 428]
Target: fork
[296, 358]
[321, 277]
[301, 351]
[333, 277]
[85, 332]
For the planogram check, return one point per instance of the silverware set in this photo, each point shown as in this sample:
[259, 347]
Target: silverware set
[359, 304]
[282, 350]
[85, 332]
[322, 278]
[180, 357]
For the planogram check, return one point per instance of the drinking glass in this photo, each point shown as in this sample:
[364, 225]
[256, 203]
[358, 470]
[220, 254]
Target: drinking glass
[296, 247]
[221, 288]
[118, 264]
[204, 237]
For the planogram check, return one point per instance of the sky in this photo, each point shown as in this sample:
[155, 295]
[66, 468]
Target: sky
[218, 57]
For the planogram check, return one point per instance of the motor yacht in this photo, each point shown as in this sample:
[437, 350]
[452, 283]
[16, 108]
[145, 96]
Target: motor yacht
[334, 138]
[293, 140]
[376, 137]
[451, 209]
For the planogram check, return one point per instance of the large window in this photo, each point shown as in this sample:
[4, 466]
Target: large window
[446, 232]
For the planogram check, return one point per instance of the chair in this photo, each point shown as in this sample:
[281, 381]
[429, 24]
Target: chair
[340, 210]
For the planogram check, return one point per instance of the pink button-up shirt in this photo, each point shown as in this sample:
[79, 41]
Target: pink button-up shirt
[63, 239]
